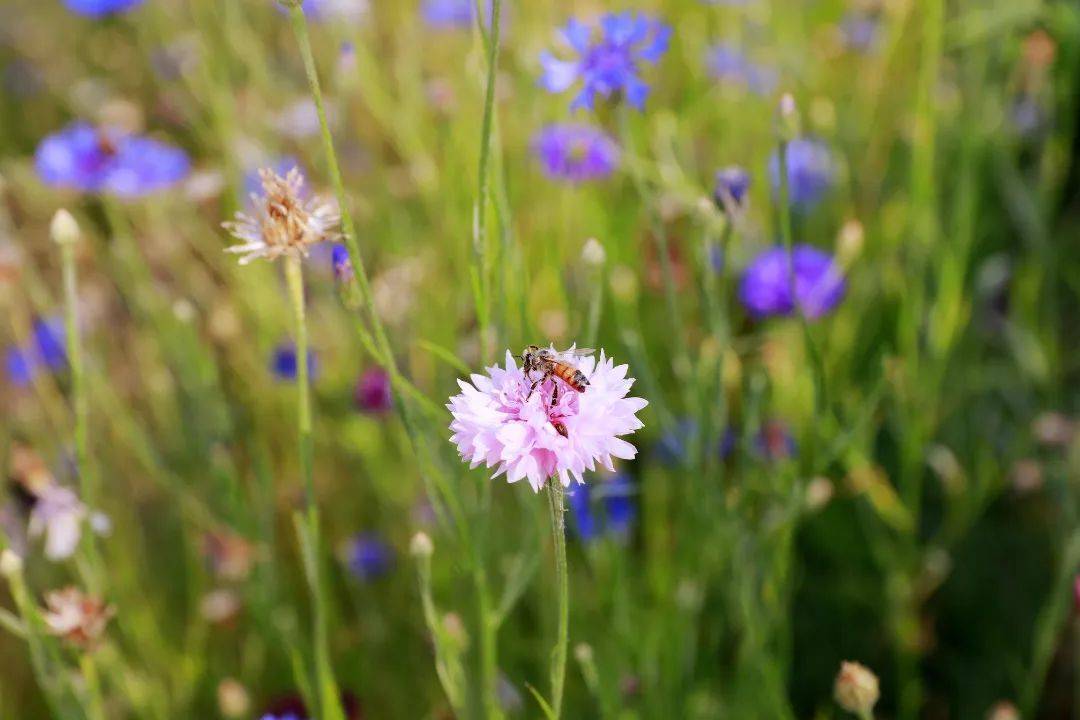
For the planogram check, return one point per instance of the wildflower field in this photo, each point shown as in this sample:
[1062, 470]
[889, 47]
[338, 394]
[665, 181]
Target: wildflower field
[432, 359]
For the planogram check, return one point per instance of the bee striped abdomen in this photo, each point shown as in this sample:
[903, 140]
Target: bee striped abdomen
[572, 376]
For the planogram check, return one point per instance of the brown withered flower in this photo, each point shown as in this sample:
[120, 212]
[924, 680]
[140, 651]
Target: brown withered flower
[231, 556]
[76, 617]
[283, 220]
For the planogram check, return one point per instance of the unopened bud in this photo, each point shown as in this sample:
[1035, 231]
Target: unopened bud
[856, 688]
[788, 124]
[10, 563]
[583, 653]
[421, 546]
[1003, 710]
[63, 229]
[592, 253]
[233, 699]
[849, 243]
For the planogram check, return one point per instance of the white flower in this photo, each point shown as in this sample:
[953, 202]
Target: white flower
[58, 514]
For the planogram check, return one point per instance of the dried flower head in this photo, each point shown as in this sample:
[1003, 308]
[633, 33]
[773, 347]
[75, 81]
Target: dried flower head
[856, 688]
[78, 618]
[285, 222]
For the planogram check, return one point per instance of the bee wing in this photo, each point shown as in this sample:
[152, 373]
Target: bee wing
[578, 352]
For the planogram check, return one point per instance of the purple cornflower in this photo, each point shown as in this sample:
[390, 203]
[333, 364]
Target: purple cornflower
[575, 152]
[84, 158]
[727, 63]
[373, 393]
[732, 184]
[619, 505]
[579, 497]
[809, 171]
[766, 288]
[100, 8]
[369, 557]
[610, 63]
[283, 362]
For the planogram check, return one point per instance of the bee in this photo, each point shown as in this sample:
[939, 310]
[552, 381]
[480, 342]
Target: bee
[549, 364]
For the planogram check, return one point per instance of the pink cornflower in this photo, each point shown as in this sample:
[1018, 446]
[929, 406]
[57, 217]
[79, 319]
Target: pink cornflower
[497, 422]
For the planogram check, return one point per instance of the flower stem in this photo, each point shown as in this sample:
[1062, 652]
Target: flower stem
[558, 654]
[326, 693]
[480, 269]
[78, 376]
[96, 711]
[817, 366]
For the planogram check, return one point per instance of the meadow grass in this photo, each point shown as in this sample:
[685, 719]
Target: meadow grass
[888, 475]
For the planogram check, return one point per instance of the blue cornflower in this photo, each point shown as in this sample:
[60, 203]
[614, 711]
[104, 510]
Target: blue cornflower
[369, 557]
[100, 8]
[732, 184]
[727, 63]
[81, 157]
[49, 340]
[671, 449]
[619, 505]
[610, 63]
[19, 366]
[766, 288]
[341, 264]
[809, 171]
[579, 497]
[617, 508]
[576, 152]
[283, 362]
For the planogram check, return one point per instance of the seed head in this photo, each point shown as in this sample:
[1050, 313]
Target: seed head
[78, 618]
[284, 221]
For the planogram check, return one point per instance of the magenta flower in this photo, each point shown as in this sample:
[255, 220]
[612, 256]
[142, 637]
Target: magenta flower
[498, 424]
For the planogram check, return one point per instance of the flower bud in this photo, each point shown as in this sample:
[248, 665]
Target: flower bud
[856, 688]
[233, 699]
[63, 229]
[421, 546]
[788, 123]
[1003, 710]
[583, 653]
[592, 253]
[10, 563]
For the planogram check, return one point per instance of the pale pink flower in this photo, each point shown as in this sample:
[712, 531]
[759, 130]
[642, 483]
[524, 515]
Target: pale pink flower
[497, 425]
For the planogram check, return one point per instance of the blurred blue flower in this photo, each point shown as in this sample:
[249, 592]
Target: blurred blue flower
[345, 10]
[449, 14]
[766, 288]
[50, 342]
[619, 506]
[671, 449]
[84, 158]
[283, 362]
[610, 63]
[617, 509]
[579, 497]
[859, 31]
[727, 63]
[732, 184]
[576, 152]
[100, 8]
[19, 366]
[809, 171]
[373, 393]
[342, 265]
[369, 557]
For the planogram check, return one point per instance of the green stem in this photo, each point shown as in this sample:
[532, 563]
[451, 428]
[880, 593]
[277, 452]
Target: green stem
[78, 376]
[96, 711]
[489, 697]
[557, 504]
[480, 255]
[327, 696]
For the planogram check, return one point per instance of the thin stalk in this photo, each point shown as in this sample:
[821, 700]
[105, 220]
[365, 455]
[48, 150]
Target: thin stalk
[821, 402]
[96, 709]
[480, 255]
[78, 376]
[556, 502]
[326, 694]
